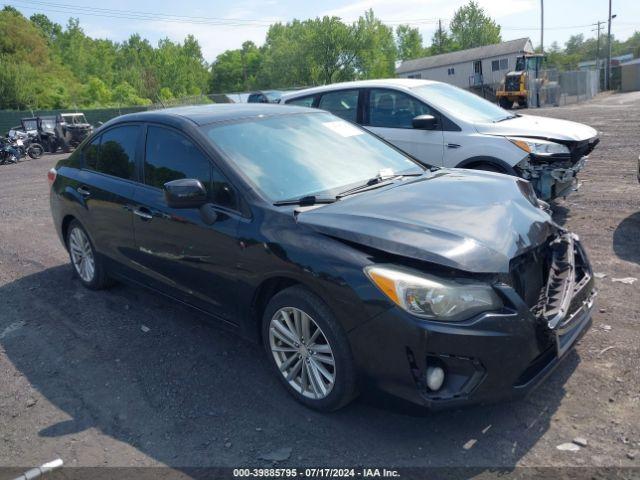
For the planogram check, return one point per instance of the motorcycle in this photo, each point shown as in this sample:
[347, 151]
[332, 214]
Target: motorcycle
[26, 144]
[8, 154]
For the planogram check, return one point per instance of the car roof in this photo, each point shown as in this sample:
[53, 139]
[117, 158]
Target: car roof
[214, 113]
[403, 83]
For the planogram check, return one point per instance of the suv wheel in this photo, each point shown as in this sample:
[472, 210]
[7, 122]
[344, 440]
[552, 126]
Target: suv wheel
[309, 350]
[87, 265]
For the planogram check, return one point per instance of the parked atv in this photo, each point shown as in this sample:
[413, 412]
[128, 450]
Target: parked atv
[53, 132]
[74, 129]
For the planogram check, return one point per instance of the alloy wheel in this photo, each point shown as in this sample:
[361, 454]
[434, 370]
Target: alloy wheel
[82, 254]
[302, 353]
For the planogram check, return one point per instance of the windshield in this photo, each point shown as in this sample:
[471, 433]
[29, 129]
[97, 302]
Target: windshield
[30, 124]
[293, 156]
[74, 119]
[48, 123]
[461, 103]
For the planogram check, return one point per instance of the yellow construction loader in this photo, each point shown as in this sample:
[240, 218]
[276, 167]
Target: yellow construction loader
[528, 85]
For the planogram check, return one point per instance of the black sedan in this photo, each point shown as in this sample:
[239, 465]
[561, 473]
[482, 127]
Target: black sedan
[355, 266]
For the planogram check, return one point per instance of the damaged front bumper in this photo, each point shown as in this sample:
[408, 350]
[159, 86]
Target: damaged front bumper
[551, 179]
[556, 175]
[492, 357]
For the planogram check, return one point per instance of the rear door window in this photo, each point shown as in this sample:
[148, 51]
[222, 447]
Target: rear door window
[114, 152]
[343, 103]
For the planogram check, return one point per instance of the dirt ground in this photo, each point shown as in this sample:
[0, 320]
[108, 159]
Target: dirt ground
[81, 379]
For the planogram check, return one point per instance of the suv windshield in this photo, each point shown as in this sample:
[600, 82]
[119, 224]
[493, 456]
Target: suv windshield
[299, 155]
[48, 123]
[462, 103]
[74, 119]
[30, 124]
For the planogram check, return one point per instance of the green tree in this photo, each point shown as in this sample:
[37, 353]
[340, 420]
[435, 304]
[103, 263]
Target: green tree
[472, 27]
[96, 92]
[50, 30]
[409, 42]
[441, 42]
[236, 70]
[124, 94]
[375, 53]
[30, 77]
[286, 61]
[335, 47]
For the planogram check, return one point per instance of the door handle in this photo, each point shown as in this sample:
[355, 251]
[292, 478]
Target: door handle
[453, 145]
[84, 191]
[143, 213]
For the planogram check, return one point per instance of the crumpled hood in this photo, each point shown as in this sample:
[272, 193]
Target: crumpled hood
[471, 221]
[539, 127]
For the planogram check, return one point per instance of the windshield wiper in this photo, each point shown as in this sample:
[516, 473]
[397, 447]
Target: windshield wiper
[375, 182]
[306, 201]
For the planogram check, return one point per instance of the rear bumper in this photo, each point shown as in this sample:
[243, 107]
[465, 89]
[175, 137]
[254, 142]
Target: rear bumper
[489, 358]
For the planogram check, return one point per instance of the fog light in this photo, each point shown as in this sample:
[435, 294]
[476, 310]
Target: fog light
[435, 378]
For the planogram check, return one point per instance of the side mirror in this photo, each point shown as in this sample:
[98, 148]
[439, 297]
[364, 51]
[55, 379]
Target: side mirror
[425, 122]
[185, 193]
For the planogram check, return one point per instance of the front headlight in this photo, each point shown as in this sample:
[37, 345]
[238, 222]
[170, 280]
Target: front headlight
[539, 147]
[430, 297]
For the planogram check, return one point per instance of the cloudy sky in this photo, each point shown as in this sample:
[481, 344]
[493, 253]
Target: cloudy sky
[220, 25]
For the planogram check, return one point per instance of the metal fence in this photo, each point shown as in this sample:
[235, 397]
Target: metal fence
[554, 88]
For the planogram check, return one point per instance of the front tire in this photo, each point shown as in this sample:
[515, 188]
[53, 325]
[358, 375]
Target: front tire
[87, 264]
[309, 350]
[505, 103]
[35, 151]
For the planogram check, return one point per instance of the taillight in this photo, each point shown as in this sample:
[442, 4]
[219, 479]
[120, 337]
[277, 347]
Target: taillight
[51, 176]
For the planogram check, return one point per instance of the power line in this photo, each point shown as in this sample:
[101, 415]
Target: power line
[153, 16]
[125, 15]
[71, 9]
[137, 13]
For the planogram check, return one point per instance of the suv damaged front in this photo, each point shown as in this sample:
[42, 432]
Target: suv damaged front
[552, 166]
[485, 294]
[552, 150]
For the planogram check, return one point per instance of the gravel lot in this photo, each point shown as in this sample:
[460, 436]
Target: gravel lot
[81, 379]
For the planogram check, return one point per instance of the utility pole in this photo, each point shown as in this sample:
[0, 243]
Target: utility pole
[598, 52]
[608, 73]
[541, 26]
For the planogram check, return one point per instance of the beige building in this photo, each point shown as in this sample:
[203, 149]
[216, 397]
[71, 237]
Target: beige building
[468, 68]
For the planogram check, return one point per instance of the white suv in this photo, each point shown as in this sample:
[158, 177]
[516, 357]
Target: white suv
[443, 125]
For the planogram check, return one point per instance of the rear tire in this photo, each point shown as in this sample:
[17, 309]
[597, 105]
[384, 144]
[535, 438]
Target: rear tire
[324, 356]
[87, 264]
